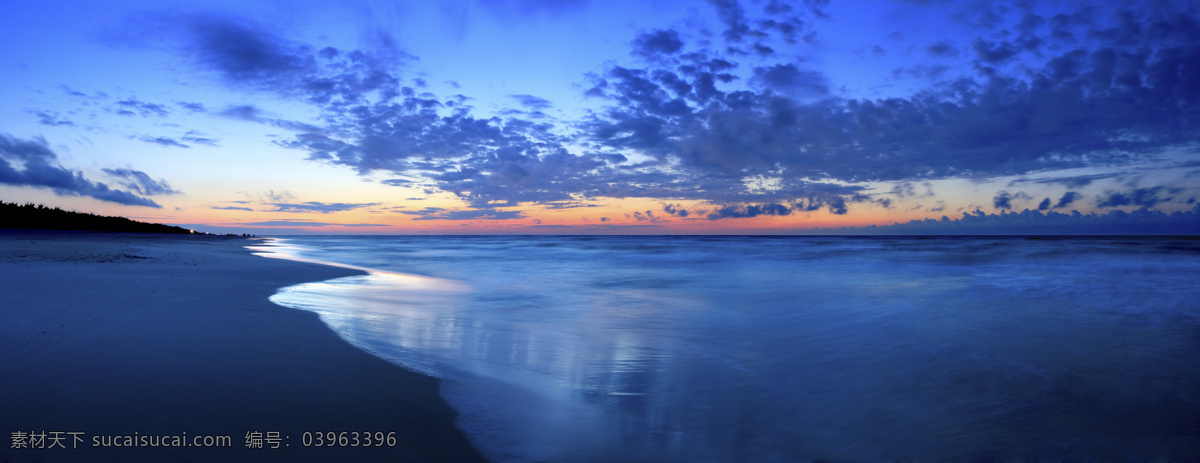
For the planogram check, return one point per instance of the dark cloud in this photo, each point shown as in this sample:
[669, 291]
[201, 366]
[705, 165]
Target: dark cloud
[1001, 201]
[994, 53]
[243, 112]
[72, 92]
[250, 55]
[793, 80]
[731, 13]
[983, 126]
[27, 151]
[483, 161]
[1067, 198]
[164, 141]
[1145, 197]
[817, 7]
[657, 43]
[133, 105]
[1044, 205]
[253, 114]
[1076, 181]
[1116, 222]
[246, 52]
[777, 7]
[749, 210]
[323, 208]
[533, 102]
[199, 140]
[192, 107]
[645, 217]
[908, 190]
[232, 208]
[38, 170]
[941, 50]
[698, 132]
[50, 118]
[787, 28]
[437, 213]
[676, 210]
[141, 183]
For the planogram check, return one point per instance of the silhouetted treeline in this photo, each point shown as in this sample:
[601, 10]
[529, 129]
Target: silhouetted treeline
[39, 217]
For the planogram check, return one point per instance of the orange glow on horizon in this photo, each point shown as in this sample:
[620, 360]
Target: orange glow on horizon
[624, 216]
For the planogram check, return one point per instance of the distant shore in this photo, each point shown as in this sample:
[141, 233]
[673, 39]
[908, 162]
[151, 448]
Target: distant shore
[150, 341]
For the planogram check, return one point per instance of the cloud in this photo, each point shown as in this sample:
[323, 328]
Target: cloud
[75, 93]
[50, 118]
[1077, 181]
[657, 43]
[323, 208]
[133, 105]
[243, 112]
[676, 210]
[164, 141]
[251, 113]
[1143, 221]
[647, 217]
[245, 52]
[250, 55]
[1067, 198]
[200, 140]
[1001, 201]
[271, 195]
[141, 182]
[699, 121]
[192, 107]
[941, 49]
[750, 210]
[533, 102]
[37, 171]
[437, 213]
[994, 53]
[232, 208]
[793, 80]
[734, 17]
[1145, 197]
[1065, 114]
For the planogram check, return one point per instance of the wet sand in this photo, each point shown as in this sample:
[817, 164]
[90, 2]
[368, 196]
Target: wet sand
[147, 336]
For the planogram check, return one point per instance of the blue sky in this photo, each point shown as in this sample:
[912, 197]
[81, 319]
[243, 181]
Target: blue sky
[529, 116]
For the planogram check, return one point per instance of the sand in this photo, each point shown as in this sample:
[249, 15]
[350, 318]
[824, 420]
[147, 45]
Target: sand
[107, 335]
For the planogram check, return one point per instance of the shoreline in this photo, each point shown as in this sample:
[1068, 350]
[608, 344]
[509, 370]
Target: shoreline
[136, 335]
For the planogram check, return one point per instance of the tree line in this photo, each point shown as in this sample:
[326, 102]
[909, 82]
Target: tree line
[38, 217]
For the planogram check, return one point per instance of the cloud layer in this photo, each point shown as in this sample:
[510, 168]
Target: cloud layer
[736, 118]
[31, 163]
[1142, 221]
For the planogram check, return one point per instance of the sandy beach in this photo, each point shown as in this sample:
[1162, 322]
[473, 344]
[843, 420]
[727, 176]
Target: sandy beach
[110, 339]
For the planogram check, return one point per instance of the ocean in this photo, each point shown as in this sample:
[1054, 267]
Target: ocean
[798, 348]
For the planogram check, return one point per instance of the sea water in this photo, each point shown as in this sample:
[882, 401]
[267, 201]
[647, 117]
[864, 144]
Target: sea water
[642, 348]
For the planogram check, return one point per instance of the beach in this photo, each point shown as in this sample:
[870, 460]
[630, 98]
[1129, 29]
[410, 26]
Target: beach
[126, 347]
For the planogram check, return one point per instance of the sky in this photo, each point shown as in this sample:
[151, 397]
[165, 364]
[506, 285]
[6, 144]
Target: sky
[582, 116]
